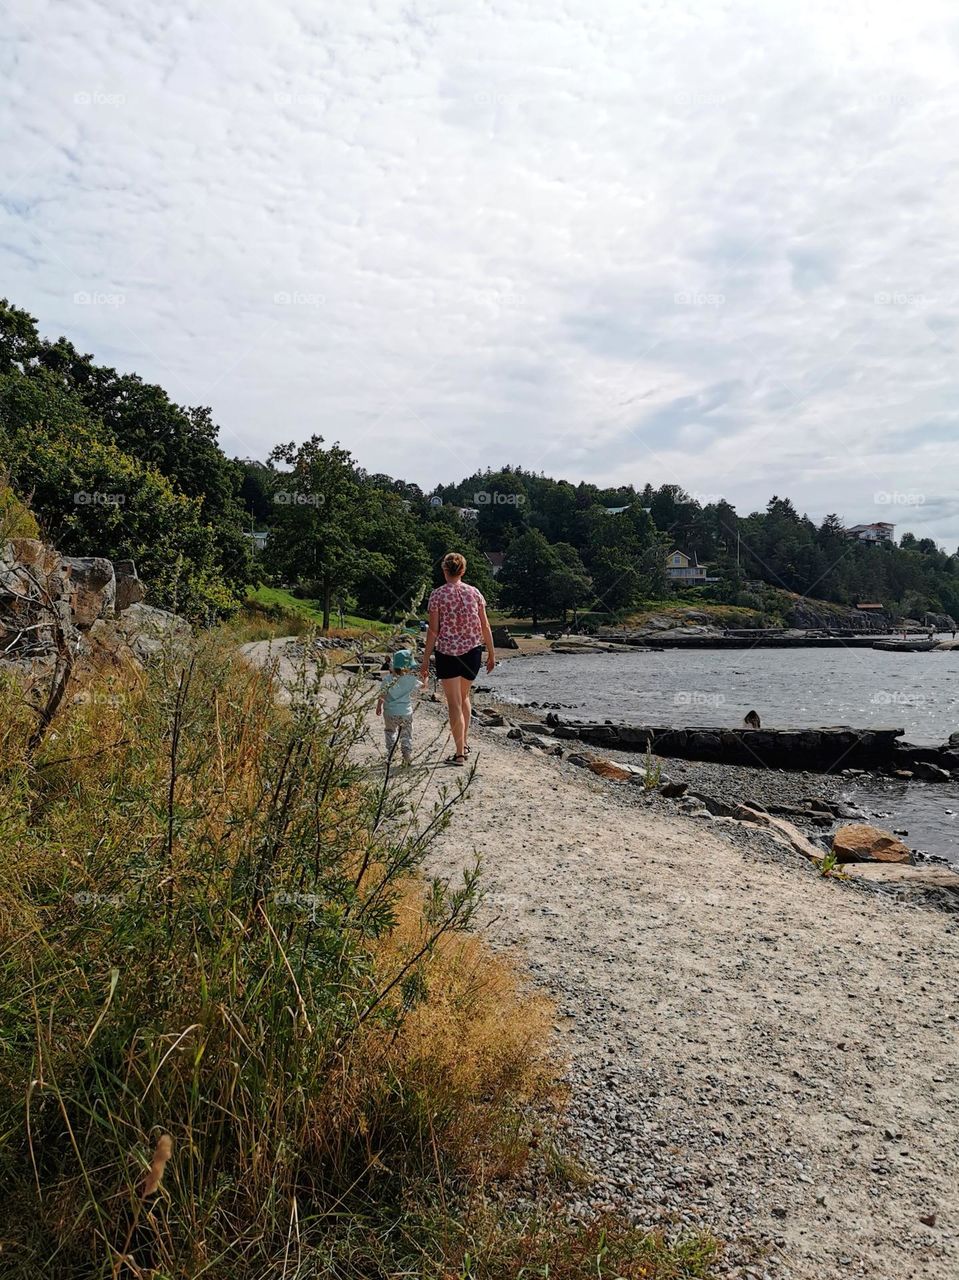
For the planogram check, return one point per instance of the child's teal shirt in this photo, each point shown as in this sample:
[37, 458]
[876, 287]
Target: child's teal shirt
[398, 693]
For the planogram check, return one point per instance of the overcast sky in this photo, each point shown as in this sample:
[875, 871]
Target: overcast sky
[685, 241]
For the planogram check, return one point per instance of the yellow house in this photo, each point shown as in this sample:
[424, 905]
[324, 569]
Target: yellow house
[683, 568]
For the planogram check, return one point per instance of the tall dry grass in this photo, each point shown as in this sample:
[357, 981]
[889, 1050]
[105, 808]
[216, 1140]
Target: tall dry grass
[239, 1035]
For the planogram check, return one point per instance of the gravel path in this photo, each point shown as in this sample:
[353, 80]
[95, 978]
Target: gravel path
[753, 1048]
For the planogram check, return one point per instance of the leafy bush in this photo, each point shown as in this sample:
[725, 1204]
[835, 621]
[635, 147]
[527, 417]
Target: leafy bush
[236, 1024]
[16, 519]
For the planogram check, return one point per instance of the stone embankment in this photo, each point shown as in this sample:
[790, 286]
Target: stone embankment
[43, 592]
[824, 750]
[55, 607]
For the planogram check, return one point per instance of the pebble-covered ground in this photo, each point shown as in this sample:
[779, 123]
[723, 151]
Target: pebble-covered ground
[753, 1048]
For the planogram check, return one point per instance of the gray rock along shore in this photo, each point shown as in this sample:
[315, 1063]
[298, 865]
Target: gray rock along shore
[823, 750]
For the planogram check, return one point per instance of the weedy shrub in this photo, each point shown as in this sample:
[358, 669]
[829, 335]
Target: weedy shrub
[604, 1249]
[830, 866]
[258, 621]
[239, 1034]
[654, 771]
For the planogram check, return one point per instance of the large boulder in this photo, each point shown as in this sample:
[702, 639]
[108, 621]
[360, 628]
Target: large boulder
[142, 631]
[859, 842]
[502, 638]
[93, 589]
[130, 588]
[34, 598]
[930, 772]
[47, 599]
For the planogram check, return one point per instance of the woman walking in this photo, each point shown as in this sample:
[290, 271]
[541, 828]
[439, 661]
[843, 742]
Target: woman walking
[458, 629]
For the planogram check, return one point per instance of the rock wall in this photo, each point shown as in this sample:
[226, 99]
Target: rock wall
[821, 750]
[44, 595]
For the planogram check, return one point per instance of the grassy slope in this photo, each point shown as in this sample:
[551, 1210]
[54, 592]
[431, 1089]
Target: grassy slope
[311, 609]
[225, 977]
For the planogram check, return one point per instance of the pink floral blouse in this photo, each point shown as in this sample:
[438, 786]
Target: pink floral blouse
[459, 607]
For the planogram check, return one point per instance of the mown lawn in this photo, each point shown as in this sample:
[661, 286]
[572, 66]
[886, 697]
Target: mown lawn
[280, 599]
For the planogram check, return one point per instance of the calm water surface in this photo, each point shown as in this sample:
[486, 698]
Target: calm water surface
[804, 688]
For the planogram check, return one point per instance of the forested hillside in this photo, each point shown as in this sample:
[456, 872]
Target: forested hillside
[111, 466]
[777, 546]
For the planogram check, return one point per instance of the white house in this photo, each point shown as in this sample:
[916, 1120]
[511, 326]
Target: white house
[259, 538]
[468, 513]
[686, 570]
[879, 532]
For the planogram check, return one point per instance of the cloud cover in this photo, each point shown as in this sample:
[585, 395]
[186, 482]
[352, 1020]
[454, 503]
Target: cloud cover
[708, 243]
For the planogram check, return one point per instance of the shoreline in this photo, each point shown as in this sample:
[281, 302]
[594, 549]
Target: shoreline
[743, 1033]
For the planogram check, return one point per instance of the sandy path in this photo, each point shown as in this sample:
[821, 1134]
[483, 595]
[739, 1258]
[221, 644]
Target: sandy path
[755, 1048]
[775, 1050]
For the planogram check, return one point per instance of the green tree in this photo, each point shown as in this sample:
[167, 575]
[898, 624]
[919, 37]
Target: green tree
[189, 545]
[503, 505]
[525, 581]
[317, 535]
[441, 531]
[570, 586]
[398, 583]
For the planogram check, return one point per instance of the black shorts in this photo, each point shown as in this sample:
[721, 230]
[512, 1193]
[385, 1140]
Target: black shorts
[465, 665]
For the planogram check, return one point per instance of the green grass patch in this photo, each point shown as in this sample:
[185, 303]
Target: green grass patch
[268, 612]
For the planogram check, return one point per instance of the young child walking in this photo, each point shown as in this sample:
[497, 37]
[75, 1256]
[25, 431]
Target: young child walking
[395, 704]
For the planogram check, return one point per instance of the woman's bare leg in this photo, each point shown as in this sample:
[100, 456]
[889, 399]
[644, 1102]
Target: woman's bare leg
[467, 708]
[454, 707]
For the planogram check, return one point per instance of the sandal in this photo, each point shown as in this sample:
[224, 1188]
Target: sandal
[458, 760]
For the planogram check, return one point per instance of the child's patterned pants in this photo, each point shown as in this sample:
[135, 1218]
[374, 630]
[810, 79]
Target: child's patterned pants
[401, 726]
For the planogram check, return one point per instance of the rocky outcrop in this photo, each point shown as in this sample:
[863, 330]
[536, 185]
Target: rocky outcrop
[817, 749]
[92, 589]
[141, 631]
[941, 621]
[820, 615]
[48, 600]
[502, 638]
[860, 842]
[130, 590]
[823, 750]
